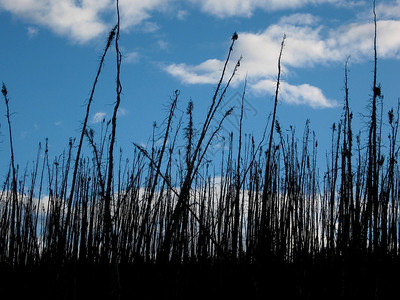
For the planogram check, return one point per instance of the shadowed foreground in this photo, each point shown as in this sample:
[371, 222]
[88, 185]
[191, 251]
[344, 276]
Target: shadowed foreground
[355, 280]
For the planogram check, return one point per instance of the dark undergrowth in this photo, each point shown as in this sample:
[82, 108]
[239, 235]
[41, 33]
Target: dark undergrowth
[358, 279]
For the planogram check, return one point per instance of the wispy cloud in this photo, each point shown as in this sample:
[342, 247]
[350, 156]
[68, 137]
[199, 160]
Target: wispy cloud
[182, 14]
[229, 8]
[149, 27]
[122, 111]
[23, 135]
[162, 44]
[32, 32]
[389, 10]
[98, 117]
[132, 57]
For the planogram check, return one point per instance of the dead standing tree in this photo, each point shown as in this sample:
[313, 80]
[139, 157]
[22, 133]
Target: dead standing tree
[265, 234]
[370, 220]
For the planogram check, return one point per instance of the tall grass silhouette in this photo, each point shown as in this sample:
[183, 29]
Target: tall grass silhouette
[167, 221]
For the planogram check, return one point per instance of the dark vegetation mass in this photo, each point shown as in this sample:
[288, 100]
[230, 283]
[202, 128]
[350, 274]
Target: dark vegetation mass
[168, 223]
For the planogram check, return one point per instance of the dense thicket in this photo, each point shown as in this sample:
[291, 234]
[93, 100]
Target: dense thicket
[262, 220]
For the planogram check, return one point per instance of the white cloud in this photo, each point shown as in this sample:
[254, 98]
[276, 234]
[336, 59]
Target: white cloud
[80, 21]
[306, 94]
[308, 44]
[303, 94]
[389, 39]
[357, 39]
[86, 19]
[134, 12]
[308, 41]
[206, 72]
[98, 117]
[304, 47]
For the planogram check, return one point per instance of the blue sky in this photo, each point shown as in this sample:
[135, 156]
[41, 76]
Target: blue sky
[51, 49]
